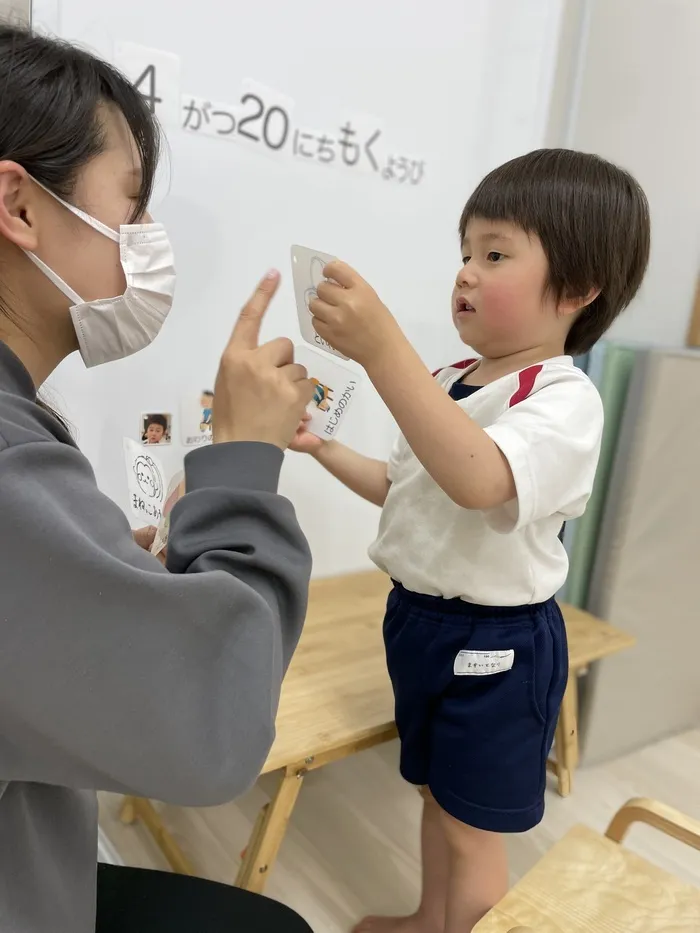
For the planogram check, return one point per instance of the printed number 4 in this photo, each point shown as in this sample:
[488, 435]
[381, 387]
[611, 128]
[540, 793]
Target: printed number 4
[149, 76]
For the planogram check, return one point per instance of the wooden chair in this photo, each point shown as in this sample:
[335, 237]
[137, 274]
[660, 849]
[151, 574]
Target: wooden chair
[588, 883]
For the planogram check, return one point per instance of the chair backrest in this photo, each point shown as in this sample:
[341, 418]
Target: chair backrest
[662, 817]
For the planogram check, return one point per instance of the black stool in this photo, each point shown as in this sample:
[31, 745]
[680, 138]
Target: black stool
[137, 900]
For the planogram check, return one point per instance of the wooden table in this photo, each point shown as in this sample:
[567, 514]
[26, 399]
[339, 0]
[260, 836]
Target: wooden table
[590, 639]
[337, 700]
[589, 883]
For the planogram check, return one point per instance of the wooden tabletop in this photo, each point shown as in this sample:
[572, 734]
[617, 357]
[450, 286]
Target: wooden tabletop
[588, 884]
[591, 639]
[337, 692]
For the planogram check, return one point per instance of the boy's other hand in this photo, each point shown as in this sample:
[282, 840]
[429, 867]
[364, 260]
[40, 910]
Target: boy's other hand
[303, 441]
[145, 537]
[351, 317]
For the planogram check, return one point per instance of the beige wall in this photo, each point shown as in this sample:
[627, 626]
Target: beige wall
[18, 9]
[637, 102]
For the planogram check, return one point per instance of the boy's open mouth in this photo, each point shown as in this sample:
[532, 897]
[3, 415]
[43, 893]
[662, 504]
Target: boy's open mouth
[463, 306]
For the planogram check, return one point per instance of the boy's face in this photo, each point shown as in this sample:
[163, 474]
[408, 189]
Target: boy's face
[154, 433]
[499, 305]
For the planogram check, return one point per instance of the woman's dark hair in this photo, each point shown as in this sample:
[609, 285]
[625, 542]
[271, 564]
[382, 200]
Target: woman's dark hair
[592, 219]
[50, 94]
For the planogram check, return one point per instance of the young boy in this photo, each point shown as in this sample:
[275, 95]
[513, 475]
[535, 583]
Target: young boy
[496, 453]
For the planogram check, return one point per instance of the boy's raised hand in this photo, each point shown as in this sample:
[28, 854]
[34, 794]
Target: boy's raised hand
[304, 442]
[351, 317]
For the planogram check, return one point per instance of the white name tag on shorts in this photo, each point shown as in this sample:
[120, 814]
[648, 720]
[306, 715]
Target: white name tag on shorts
[479, 663]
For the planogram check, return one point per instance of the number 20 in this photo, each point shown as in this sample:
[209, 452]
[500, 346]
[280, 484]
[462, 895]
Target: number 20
[253, 117]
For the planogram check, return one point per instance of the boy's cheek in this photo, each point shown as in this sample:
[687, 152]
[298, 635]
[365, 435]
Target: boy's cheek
[503, 307]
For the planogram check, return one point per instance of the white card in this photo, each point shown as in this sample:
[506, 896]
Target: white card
[307, 273]
[145, 478]
[176, 489]
[203, 117]
[196, 417]
[336, 388]
[156, 75]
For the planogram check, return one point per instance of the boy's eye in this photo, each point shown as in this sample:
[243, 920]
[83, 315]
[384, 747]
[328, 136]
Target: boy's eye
[465, 259]
[494, 256]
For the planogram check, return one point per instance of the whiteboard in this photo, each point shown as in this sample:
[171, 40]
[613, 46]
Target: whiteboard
[459, 85]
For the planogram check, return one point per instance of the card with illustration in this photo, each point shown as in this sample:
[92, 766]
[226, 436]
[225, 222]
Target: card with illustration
[176, 489]
[335, 389]
[145, 478]
[196, 419]
[156, 428]
[307, 273]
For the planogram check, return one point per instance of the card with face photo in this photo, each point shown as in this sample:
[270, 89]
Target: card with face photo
[307, 274]
[156, 429]
[335, 389]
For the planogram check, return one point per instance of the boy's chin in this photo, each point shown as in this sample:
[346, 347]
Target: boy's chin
[468, 335]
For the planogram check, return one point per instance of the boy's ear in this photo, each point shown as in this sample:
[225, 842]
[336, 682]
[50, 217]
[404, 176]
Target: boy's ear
[571, 305]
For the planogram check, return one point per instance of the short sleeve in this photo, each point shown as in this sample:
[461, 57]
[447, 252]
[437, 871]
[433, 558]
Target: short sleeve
[551, 441]
[395, 458]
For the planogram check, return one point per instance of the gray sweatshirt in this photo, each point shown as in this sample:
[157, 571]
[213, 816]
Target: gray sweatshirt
[116, 674]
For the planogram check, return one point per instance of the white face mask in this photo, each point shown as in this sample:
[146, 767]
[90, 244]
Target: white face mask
[111, 328]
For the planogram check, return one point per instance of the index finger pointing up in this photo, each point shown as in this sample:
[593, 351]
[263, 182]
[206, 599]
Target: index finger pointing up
[246, 331]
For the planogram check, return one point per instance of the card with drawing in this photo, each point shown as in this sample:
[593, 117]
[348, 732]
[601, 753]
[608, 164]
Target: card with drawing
[307, 273]
[335, 390]
[145, 480]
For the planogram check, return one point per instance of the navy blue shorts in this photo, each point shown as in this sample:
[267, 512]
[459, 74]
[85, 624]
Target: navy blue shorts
[479, 741]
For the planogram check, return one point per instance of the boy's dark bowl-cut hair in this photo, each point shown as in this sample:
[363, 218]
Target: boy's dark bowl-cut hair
[592, 219]
[160, 420]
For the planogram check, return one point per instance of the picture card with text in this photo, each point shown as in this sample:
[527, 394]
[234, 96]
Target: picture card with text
[335, 389]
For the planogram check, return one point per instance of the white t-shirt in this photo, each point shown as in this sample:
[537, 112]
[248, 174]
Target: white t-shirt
[548, 422]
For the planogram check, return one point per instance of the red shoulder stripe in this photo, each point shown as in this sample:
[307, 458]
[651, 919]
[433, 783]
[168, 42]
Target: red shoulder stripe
[464, 364]
[526, 380]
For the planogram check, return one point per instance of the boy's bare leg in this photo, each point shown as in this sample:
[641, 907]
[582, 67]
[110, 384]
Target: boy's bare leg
[478, 873]
[435, 864]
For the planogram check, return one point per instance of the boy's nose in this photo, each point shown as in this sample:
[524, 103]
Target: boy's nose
[466, 275]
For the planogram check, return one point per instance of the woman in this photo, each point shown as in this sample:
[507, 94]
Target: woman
[116, 674]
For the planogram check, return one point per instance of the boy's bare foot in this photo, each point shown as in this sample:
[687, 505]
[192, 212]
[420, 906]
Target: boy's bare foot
[412, 924]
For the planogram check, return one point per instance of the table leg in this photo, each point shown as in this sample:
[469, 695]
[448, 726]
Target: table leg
[135, 808]
[565, 741]
[574, 711]
[269, 831]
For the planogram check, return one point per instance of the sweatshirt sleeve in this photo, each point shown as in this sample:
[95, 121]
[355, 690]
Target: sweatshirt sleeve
[116, 674]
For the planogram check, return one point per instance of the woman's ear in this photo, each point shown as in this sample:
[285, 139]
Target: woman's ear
[17, 206]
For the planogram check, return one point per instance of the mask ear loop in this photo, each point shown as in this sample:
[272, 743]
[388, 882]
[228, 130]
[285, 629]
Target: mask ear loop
[56, 279]
[91, 221]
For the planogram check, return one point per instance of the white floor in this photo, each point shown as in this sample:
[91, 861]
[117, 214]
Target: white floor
[352, 845]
